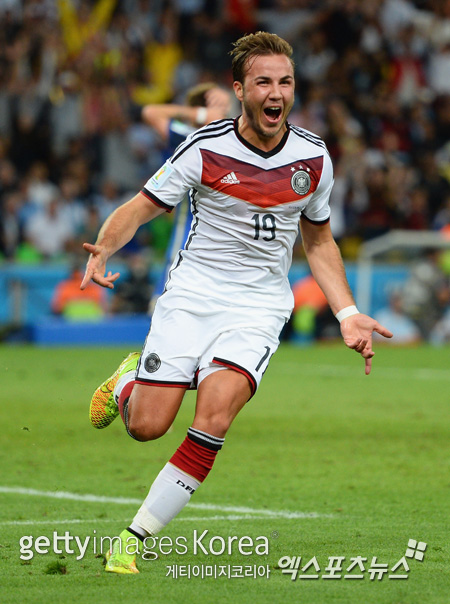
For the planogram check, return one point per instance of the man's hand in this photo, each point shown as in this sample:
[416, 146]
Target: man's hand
[357, 332]
[96, 267]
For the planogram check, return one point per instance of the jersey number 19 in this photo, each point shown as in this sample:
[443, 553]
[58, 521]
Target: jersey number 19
[266, 224]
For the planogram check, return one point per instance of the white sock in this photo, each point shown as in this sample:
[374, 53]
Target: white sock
[124, 379]
[168, 495]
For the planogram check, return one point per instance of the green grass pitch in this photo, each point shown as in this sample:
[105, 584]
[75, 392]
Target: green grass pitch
[323, 462]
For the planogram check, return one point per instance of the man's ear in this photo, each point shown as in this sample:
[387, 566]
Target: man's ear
[238, 90]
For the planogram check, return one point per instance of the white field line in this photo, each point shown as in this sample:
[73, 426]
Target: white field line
[232, 512]
[385, 372]
[98, 521]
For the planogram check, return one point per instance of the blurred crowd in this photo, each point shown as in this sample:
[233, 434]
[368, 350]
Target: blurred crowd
[373, 79]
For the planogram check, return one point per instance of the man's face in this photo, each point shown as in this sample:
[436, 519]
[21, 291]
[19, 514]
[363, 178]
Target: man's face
[267, 96]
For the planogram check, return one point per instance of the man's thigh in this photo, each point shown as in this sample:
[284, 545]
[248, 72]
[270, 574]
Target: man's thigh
[152, 409]
[220, 397]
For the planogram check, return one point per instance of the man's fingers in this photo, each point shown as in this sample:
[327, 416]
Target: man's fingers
[105, 281]
[89, 247]
[87, 277]
[111, 278]
[383, 331]
[95, 269]
[359, 344]
[363, 344]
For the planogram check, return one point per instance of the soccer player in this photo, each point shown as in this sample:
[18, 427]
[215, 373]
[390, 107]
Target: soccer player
[205, 103]
[252, 181]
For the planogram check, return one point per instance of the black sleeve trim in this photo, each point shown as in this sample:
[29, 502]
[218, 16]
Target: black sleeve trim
[317, 222]
[156, 200]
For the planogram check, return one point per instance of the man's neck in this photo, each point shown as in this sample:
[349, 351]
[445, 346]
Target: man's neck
[264, 143]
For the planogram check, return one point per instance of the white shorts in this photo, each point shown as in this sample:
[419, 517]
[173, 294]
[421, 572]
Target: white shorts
[184, 346]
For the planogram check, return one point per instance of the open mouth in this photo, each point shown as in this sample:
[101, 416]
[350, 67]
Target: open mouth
[273, 114]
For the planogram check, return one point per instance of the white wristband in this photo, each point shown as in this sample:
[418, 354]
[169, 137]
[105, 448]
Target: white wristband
[201, 116]
[346, 312]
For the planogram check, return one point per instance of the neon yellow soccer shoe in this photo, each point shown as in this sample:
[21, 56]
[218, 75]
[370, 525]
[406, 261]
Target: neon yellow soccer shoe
[103, 409]
[117, 558]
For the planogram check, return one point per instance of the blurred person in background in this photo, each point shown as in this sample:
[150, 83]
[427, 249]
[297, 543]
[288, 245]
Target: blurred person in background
[10, 228]
[311, 318]
[394, 318]
[73, 304]
[205, 103]
[132, 294]
[49, 232]
[70, 72]
[426, 293]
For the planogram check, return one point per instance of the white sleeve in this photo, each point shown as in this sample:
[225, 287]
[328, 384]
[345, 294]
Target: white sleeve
[168, 187]
[318, 208]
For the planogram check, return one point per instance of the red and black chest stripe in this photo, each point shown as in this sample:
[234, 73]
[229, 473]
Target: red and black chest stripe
[264, 188]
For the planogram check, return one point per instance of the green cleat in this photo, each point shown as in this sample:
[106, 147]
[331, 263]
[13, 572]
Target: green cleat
[103, 409]
[117, 558]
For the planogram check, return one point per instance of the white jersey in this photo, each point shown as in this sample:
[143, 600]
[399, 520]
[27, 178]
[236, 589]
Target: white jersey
[246, 206]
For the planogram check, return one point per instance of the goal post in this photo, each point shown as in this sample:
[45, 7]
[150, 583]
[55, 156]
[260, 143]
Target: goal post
[395, 239]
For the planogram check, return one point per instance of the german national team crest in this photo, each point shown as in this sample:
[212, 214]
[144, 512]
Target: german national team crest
[301, 182]
[152, 363]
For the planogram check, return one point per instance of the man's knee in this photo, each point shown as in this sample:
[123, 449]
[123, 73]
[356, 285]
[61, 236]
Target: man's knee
[216, 424]
[151, 411]
[142, 427]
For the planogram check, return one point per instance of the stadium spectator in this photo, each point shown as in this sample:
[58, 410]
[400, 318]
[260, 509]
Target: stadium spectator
[440, 334]
[40, 189]
[72, 208]
[426, 294]
[49, 232]
[394, 318]
[133, 292]
[108, 199]
[311, 318]
[10, 231]
[442, 218]
[73, 304]
[74, 77]
[80, 24]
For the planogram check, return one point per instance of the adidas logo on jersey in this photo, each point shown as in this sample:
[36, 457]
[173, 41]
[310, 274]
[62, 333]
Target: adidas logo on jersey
[230, 179]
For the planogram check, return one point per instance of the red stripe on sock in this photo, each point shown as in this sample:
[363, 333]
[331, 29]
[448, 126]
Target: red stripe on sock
[193, 459]
[125, 395]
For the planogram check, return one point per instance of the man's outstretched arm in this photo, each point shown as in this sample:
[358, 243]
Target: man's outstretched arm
[326, 265]
[118, 229]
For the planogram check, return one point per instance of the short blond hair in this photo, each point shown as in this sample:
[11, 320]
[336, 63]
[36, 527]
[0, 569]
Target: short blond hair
[196, 96]
[254, 45]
